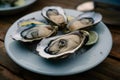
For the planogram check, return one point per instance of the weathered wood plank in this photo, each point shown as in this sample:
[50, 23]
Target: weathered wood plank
[7, 75]
[6, 61]
[110, 68]
[115, 52]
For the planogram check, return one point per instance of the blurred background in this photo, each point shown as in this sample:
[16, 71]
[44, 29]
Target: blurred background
[110, 9]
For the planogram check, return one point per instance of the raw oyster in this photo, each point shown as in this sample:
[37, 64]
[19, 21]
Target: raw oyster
[31, 30]
[55, 15]
[84, 20]
[63, 45]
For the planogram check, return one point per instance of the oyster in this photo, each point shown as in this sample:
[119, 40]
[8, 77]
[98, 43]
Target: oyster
[63, 45]
[31, 30]
[55, 15]
[84, 20]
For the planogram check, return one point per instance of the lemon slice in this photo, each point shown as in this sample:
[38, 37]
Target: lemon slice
[27, 22]
[93, 38]
[70, 18]
[19, 3]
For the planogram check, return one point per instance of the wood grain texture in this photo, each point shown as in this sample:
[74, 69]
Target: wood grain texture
[109, 69]
[7, 75]
[6, 61]
[115, 31]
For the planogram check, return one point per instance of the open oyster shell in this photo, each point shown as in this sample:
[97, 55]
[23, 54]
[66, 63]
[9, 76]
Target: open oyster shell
[84, 20]
[31, 30]
[61, 46]
[55, 15]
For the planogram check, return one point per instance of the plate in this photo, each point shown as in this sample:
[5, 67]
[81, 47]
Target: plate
[12, 10]
[86, 58]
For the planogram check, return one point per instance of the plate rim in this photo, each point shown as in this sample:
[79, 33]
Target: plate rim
[32, 70]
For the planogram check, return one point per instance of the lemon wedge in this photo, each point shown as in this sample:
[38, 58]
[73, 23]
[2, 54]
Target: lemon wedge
[22, 24]
[70, 18]
[93, 38]
[19, 2]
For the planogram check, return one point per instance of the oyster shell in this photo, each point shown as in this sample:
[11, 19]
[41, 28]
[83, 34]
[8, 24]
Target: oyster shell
[31, 30]
[84, 20]
[55, 15]
[63, 45]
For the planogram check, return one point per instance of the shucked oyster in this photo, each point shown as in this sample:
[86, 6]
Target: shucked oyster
[55, 15]
[31, 30]
[84, 20]
[62, 46]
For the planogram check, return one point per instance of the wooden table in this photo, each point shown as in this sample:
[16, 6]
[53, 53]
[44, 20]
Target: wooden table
[109, 69]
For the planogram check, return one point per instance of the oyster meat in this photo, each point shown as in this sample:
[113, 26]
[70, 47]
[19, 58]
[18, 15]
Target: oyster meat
[31, 30]
[63, 45]
[55, 15]
[84, 20]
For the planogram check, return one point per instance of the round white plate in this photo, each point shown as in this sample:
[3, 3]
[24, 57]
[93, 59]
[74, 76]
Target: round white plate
[85, 59]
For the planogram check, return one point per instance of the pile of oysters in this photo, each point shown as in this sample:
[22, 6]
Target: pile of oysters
[52, 46]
